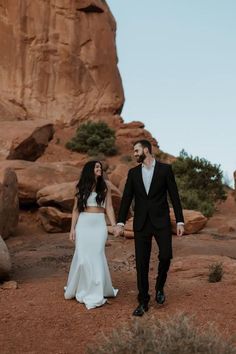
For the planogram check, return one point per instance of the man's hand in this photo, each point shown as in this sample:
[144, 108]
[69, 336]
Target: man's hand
[118, 230]
[180, 230]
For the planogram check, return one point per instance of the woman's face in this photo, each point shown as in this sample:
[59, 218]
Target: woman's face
[98, 169]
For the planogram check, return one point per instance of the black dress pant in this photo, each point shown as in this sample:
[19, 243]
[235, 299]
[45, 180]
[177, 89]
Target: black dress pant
[143, 246]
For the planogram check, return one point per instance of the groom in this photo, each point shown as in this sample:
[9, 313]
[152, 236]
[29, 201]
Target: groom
[148, 183]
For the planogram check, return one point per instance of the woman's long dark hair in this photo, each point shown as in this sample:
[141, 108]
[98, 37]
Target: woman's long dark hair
[87, 183]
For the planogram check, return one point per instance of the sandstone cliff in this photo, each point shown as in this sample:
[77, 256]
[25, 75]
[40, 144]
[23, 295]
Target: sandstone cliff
[58, 60]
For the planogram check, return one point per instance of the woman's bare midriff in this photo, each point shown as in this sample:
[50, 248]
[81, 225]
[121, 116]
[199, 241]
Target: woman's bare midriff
[94, 210]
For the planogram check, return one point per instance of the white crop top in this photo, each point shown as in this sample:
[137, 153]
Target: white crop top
[91, 202]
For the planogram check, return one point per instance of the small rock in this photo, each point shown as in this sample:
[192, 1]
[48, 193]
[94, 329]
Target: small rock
[8, 285]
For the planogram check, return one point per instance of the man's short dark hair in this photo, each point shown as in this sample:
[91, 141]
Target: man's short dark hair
[145, 144]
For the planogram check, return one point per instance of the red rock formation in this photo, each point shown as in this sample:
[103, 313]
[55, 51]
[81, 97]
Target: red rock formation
[58, 60]
[133, 132]
[33, 176]
[61, 195]
[24, 140]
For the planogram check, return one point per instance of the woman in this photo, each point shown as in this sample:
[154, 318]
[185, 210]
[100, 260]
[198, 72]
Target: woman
[89, 279]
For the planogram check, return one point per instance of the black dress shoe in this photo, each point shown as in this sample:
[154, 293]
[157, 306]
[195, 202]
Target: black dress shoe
[140, 310]
[160, 297]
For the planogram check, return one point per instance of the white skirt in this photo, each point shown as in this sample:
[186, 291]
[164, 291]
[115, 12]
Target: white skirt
[89, 279]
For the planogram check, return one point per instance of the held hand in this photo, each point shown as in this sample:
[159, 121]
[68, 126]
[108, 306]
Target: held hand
[180, 230]
[121, 230]
[115, 230]
[118, 230]
[72, 236]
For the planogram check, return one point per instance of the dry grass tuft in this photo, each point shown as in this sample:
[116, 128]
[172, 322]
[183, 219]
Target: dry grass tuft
[177, 335]
[215, 272]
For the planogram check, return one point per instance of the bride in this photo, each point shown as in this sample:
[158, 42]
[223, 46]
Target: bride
[89, 278]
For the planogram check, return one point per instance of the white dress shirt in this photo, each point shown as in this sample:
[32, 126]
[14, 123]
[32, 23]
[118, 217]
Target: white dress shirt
[147, 174]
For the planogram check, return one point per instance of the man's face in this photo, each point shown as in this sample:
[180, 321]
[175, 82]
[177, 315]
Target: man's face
[139, 153]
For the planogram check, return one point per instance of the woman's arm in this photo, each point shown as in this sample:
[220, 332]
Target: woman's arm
[75, 215]
[109, 207]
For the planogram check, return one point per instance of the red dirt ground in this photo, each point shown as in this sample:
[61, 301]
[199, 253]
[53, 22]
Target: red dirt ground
[35, 318]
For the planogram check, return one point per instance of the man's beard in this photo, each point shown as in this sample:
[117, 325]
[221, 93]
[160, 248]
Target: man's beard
[141, 158]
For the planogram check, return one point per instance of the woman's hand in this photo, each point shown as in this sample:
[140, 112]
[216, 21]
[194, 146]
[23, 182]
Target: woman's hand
[118, 230]
[72, 236]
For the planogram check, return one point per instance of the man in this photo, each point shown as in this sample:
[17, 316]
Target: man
[148, 183]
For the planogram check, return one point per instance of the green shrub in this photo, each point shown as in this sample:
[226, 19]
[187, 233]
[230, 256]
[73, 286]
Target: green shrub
[93, 138]
[177, 335]
[215, 272]
[200, 183]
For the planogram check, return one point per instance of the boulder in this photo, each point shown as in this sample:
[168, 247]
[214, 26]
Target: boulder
[59, 60]
[59, 195]
[54, 220]
[194, 221]
[128, 234]
[25, 140]
[33, 176]
[130, 132]
[9, 285]
[56, 203]
[5, 261]
[9, 203]
[62, 195]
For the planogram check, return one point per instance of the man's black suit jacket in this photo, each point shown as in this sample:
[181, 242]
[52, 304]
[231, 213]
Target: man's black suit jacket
[154, 203]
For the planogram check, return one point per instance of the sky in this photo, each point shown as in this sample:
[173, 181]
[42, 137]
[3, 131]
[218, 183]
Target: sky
[177, 60]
